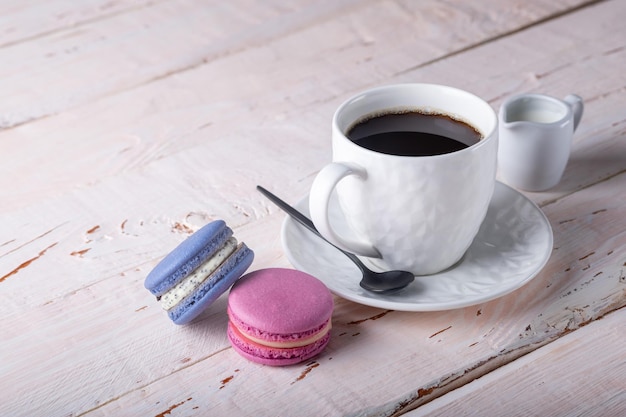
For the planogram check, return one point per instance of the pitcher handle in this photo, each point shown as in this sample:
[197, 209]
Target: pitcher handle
[577, 106]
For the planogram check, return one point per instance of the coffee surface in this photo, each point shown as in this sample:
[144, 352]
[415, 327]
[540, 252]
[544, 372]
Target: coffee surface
[412, 133]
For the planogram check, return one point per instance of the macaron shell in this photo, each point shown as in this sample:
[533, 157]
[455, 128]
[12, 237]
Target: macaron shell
[217, 284]
[275, 302]
[274, 356]
[187, 256]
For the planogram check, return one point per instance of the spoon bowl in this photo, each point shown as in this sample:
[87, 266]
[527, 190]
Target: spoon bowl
[378, 282]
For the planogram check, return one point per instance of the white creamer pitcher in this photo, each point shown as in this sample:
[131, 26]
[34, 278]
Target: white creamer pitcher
[535, 134]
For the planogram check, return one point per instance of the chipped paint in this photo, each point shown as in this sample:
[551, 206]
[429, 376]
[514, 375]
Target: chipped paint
[306, 371]
[169, 410]
[27, 263]
[374, 317]
[439, 332]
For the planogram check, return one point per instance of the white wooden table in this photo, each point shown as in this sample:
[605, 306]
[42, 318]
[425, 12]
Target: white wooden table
[125, 126]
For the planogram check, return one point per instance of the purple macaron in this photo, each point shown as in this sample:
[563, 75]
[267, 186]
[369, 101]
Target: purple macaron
[279, 316]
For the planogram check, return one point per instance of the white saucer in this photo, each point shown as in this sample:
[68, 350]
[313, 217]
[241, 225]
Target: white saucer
[512, 246]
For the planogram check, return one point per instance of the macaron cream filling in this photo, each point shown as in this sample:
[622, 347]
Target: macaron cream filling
[190, 283]
[289, 355]
[267, 336]
[286, 343]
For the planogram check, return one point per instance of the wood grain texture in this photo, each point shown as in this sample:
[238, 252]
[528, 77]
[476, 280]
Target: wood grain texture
[121, 107]
[24, 21]
[96, 189]
[561, 370]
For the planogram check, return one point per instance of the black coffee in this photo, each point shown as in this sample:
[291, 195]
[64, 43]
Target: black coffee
[412, 133]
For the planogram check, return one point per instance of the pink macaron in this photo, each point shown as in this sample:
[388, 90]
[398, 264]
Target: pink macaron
[279, 316]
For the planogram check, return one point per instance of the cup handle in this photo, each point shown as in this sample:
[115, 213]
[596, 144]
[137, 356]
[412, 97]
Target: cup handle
[319, 199]
[576, 103]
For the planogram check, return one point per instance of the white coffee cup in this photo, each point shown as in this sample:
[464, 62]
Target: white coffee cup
[536, 133]
[416, 213]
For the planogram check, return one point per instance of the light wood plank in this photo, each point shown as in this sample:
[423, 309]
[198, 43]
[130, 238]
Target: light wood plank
[87, 61]
[560, 379]
[28, 20]
[205, 88]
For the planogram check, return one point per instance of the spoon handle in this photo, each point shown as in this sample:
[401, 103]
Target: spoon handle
[303, 220]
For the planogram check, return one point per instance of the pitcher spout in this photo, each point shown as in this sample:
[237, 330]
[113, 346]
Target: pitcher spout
[509, 120]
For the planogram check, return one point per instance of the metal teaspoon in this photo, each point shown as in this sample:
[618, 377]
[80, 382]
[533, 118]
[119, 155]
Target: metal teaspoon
[378, 282]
